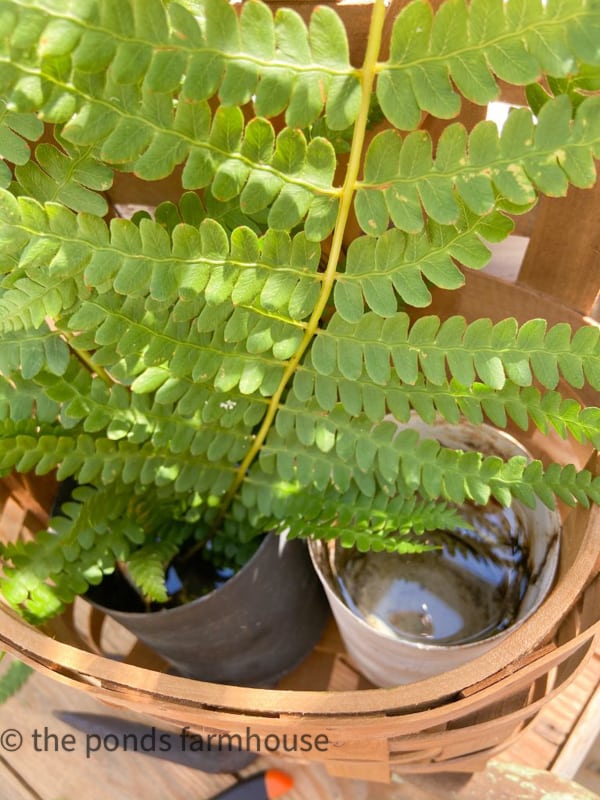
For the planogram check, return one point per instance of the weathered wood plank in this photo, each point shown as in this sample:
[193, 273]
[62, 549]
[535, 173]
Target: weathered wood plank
[13, 786]
[586, 729]
[50, 775]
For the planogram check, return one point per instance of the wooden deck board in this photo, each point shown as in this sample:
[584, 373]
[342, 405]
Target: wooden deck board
[56, 775]
[13, 785]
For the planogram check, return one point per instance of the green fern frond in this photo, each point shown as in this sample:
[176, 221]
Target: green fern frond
[85, 400]
[394, 530]
[383, 521]
[120, 99]
[20, 400]
[28, 352]
[53, 257]
[44, 252]
[238, 298]
[85, 541]
[351, 452]
[78, 548]
[494, 353]
[403, 179]
[215, 427]
[380, 270]
[451, 401]
[470, 46]
[31, 447]
[66, 174]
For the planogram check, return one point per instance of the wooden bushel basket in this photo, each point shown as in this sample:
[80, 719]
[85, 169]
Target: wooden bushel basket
[452, 722]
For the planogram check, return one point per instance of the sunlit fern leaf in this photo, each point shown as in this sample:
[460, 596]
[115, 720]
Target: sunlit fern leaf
[404, 181]
[463, 49]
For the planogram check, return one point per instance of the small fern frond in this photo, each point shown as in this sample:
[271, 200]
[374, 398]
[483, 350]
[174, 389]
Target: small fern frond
[147, 565]
[22, 400]
[84, 401]
[383, 521]
[78, 548]
[220, 305]
[31, 447]
[65, 174]
[29, 352]
[393, 530]
[450, 400]
[381, 270]
[44, 253]
[119, 97]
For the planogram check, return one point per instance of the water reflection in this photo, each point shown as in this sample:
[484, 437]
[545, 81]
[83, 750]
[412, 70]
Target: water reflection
[468, 590]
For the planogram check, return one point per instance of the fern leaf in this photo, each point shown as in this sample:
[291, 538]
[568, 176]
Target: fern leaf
[380, 270]
[380, 522]
[31, 351]
[450, 400]
[15, 130]
[83, 400]
[351, 452]
[493, 353]
[403, 179]
[393, 530]
[69, 175]
[85, 542]
[27, 446]
[43, 260]
[13, 679]
[246, 295]
[21, 400]
[470, 46]
[201, 428]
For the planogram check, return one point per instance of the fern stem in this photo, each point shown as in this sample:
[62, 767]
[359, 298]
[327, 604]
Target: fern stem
[87, 360]
[329, 276]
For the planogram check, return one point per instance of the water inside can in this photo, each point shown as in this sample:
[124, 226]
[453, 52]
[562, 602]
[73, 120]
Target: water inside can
[469, 589]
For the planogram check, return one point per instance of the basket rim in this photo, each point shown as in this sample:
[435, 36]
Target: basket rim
[87, 668]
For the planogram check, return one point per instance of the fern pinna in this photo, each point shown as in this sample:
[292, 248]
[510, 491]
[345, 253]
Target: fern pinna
[230, 362]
